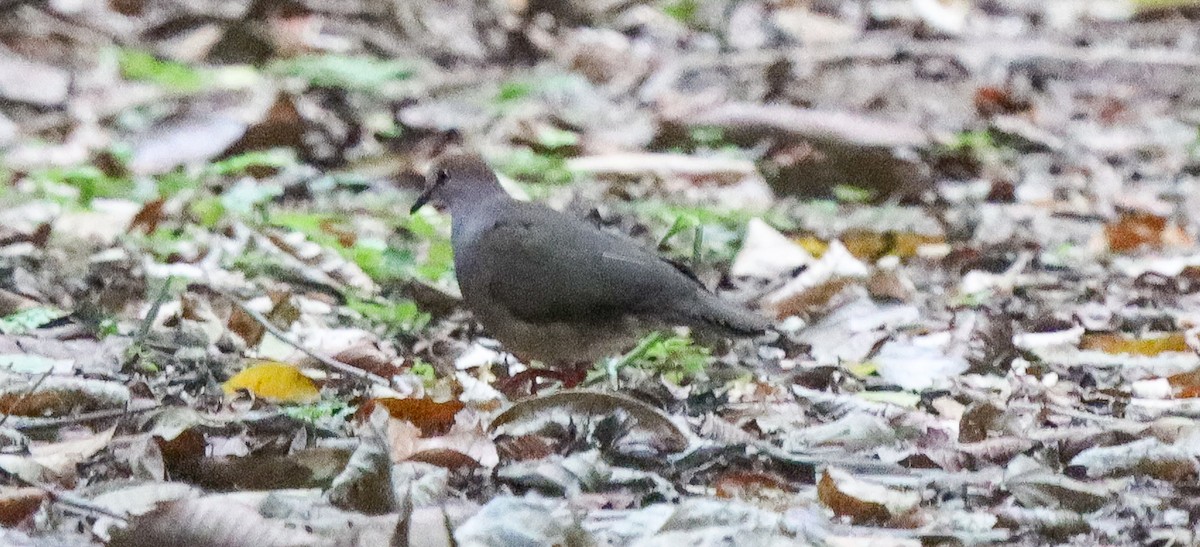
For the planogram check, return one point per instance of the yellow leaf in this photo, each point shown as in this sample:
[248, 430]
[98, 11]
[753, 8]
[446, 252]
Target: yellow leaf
[862, 370]
[274, 381]
[813, 245]
[1150, 345]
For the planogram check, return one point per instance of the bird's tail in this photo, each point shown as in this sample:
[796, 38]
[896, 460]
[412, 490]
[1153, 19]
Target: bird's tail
[712, 313]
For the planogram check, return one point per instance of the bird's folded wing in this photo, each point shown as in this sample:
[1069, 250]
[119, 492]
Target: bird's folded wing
[559, 270]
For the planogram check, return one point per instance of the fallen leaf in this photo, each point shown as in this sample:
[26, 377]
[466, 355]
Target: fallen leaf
[761, 489]
[274, 381]
[766, 253]
[18, 504]
[1146, 344]
[211, 521]
[1133, 230]
[432, 418]
[863, 502]
[663, 433]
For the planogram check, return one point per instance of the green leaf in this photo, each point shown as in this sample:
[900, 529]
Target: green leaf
[554, 138]
[684, 11]
[89, 180]
[676, 358]
[852, 194]
[512, 91]
[275, 158]
[359, 73]
[682, 223]
[524, 163]
[425, 371]
[142, 66]
[29, 319]
[398, 315]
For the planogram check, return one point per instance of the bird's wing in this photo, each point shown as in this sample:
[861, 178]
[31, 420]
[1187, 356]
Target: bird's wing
[543, 266]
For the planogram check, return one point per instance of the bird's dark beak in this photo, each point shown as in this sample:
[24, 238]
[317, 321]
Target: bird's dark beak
[422, 199]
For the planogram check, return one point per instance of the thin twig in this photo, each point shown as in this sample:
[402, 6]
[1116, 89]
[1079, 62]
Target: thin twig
[326, 361]
[86, 417]
[31, 389]
[78, 503]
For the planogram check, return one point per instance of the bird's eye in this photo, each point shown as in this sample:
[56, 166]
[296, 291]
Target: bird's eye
[442, 177]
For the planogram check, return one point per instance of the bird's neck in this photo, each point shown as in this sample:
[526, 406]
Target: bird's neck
[469, 217]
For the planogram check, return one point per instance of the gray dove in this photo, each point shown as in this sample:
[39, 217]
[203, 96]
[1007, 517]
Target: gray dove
[556, 289]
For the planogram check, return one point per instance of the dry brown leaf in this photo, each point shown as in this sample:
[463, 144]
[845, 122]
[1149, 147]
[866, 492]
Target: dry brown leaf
[762, 489]
[211, 522]
[367, 355]
[309, 468]
[18, 504]
[148, 218]
[58, 397]
[464, 442]
[523, 447]
[665, 435]
[432, 418]
[863, 502]
[1135, 229]
[245, 326]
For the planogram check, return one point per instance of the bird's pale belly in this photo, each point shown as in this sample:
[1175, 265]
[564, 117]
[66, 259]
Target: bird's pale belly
[561, 342]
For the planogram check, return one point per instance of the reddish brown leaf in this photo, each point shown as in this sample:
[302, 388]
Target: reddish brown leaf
[18, 504]
[149, 217]
[1134, 230]
[432, 418]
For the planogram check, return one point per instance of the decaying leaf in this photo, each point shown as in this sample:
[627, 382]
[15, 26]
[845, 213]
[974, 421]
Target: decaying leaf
[1168, 462]
[432, 418]
[1134, 230]
[19, 503]
[660, 431]
[55, 397]
[762, 489]
[863, 502]
[1034, 485]
[204, 522]
[1147, 344]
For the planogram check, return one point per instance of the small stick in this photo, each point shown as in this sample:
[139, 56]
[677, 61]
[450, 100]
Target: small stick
[326, 361]
[86, 417]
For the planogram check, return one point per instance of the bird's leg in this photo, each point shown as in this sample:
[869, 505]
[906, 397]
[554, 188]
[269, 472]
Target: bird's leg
[568, 374]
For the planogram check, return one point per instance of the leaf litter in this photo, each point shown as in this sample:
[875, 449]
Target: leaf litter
[973, 223]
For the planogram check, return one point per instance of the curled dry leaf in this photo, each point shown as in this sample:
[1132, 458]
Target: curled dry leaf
[18, 504]
[1168, 462]
[466, 445]
[863, 502]
[57, 397]
[367, 355]
[1035, 485]
[211, 521]
[662, 433]
[834, 265]
[274, 381]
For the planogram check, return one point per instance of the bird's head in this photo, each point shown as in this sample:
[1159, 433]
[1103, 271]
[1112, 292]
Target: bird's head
[458, 179]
